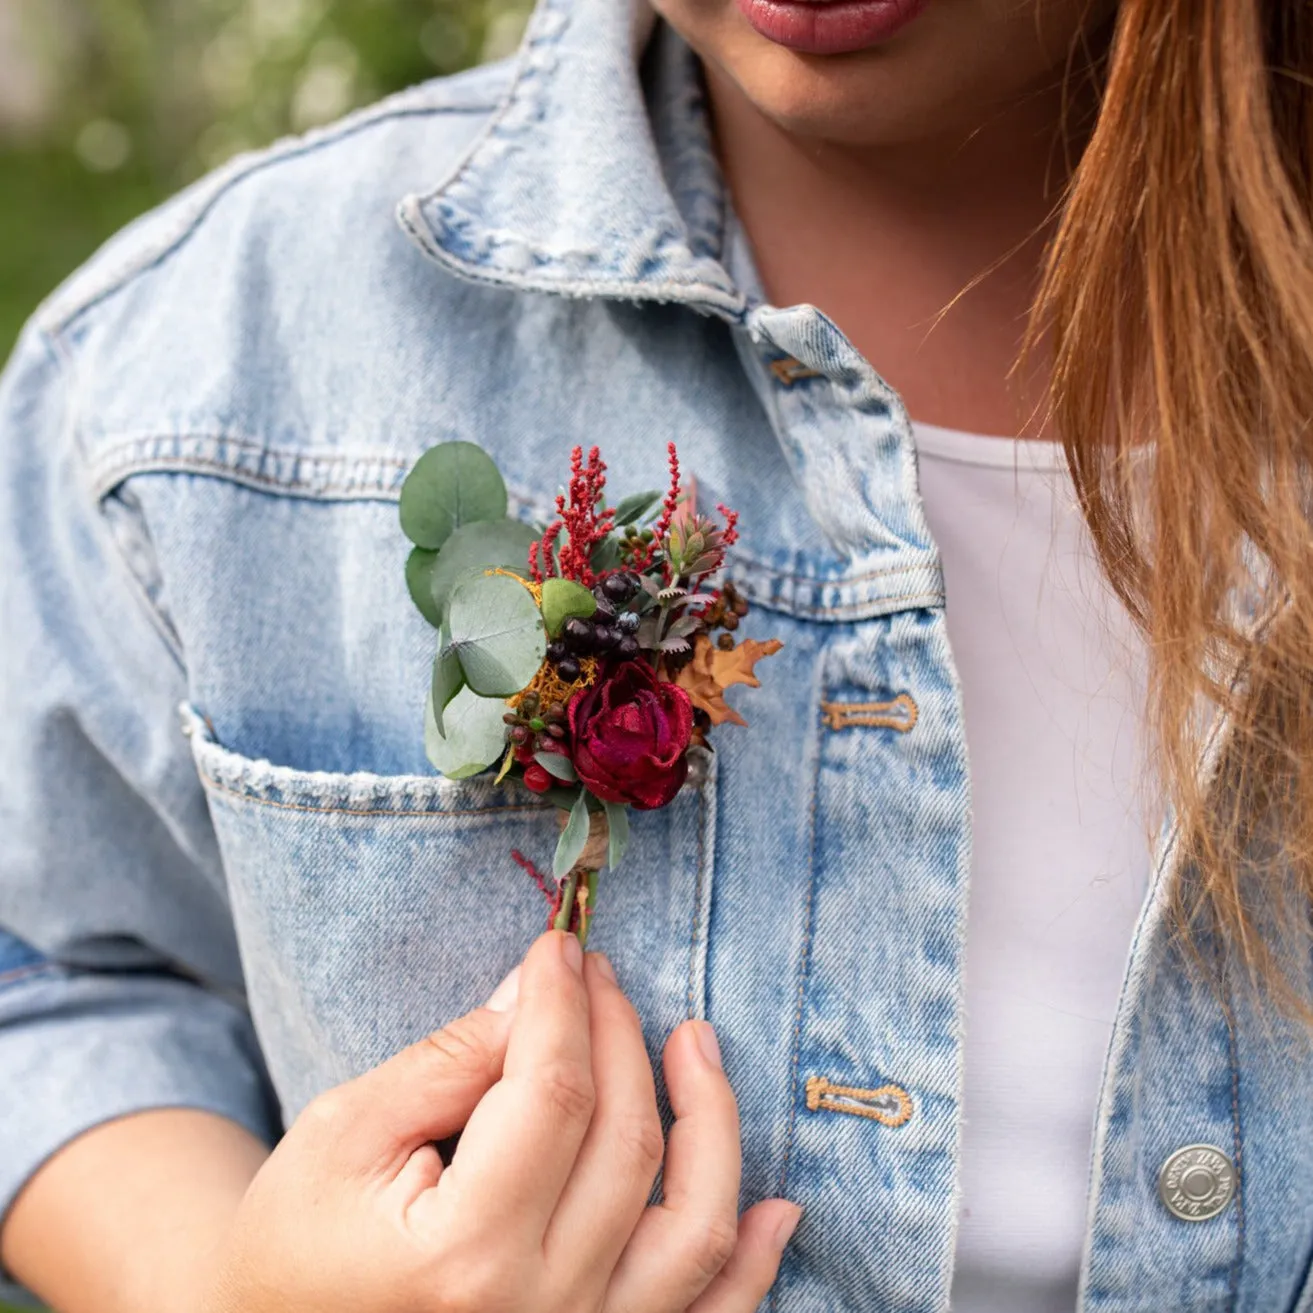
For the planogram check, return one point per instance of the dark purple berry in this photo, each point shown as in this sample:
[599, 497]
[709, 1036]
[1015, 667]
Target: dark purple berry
[568, 669]
[605, 638]
[605, 610]
[620, 588]
[627, 622]
[627, 648]
[557, 651]
[578, 634]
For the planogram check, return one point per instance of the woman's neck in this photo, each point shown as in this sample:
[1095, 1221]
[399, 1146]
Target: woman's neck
[926, 253]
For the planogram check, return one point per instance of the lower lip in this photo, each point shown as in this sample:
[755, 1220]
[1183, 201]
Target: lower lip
[829, 27]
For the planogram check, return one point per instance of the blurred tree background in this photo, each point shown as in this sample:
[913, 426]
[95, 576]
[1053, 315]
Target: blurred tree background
[109, 106]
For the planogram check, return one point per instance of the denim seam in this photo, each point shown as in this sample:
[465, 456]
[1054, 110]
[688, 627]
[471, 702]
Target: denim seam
[160, 621]
[855, 610]
[172, 239]
[804, 965]
[697, 906]
[143, 455]
[244, 796]
[71, 435]
[883, 573]
[1237, 1149]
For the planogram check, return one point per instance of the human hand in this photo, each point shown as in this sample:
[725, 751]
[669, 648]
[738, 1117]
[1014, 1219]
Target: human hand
[543, 1208]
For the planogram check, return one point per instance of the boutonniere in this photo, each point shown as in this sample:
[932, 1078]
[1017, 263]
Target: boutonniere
[588, 657]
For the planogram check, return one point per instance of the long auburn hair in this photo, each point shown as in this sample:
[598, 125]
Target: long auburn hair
[1177, 303]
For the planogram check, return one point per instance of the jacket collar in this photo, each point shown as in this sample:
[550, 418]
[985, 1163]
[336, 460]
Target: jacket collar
[596, 176]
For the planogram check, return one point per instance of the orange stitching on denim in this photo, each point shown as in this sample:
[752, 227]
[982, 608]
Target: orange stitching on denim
[789, 371]
[898, 713]
[890, 1105]
[370, 811]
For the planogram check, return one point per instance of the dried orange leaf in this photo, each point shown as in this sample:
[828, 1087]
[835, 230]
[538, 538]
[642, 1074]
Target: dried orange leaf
[737, 666]
[712, 671]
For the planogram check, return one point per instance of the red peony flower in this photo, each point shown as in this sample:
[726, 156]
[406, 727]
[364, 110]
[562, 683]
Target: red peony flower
[629, 734]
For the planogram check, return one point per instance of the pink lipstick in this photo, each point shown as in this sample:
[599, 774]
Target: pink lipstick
[829, 27]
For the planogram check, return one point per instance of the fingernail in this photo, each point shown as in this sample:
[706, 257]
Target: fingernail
[504, 997]
[573, 953]
[786, 1226]
[605, 967]
[709, 1044]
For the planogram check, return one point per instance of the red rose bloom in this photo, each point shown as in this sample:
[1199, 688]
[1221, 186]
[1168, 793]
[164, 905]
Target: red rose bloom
[629, 734]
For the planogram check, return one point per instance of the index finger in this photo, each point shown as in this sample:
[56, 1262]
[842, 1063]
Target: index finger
[520, 1145]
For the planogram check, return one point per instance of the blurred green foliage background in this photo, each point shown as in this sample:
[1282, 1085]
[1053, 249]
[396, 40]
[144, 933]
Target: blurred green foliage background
[108, 106]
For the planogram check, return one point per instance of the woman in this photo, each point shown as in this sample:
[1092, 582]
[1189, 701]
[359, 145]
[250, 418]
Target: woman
[926, 1029]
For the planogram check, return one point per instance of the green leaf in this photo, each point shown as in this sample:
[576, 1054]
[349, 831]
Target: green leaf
[419, 583]
[637, 507]
[452, 484]
[448, 680]
[617, 826]
[562, 797]
[484, 545]
[557, 765]
[573, 837]
[564, 599]
[497, 632]
[475, 735]
[606, 555]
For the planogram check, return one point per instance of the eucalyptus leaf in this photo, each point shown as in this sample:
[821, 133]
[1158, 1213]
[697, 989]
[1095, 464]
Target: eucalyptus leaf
[484, 545]
[474, 737]
[635, 508]
[419, 583]
[564, 599]
[452, 484]
[573, 837]
[448, 680]
[563, 798]
[557, 765]
[617, 825]
[497, 633]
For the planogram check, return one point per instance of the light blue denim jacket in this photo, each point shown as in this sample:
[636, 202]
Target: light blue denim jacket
[236, 905]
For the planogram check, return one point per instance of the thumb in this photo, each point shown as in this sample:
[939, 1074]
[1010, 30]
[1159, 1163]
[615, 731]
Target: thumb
[427, 1091]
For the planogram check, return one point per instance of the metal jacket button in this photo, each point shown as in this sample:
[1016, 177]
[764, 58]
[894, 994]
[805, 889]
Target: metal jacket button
[1196, 1182]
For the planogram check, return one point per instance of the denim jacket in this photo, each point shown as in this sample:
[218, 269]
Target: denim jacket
[229, 878]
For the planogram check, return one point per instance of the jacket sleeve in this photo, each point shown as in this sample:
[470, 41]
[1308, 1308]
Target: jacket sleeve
[120, 982]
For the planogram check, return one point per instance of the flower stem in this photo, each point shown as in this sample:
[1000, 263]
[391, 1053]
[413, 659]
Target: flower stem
[566, 914]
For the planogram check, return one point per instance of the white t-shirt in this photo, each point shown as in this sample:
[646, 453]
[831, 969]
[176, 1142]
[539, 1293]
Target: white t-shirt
[1053, 685]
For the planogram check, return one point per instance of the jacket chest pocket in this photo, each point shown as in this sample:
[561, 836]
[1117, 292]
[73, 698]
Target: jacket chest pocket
[371, 910]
